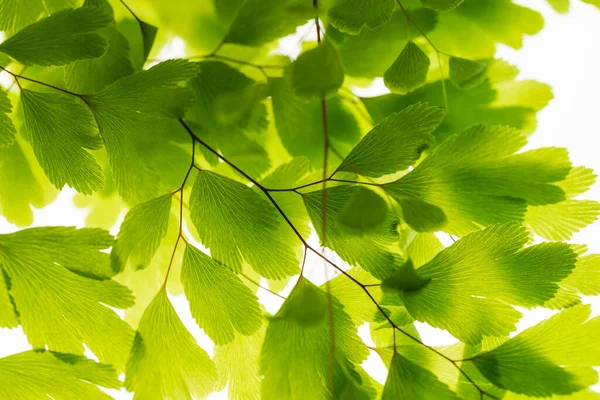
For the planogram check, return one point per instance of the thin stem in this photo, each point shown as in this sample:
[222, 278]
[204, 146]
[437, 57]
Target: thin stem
[17, 77]
[262, 287]
[305, 250]
[438, 52]
[236, 61]
[417, 27]
[131, 12]
[180, 231]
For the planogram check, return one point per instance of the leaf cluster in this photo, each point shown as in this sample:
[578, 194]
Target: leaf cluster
[225, 162]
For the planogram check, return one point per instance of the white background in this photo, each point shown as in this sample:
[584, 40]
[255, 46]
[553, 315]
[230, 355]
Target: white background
[565, 55]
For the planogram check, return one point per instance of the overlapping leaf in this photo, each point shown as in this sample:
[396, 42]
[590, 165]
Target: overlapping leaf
[38, 375]
[60, 39]
[90, 76]
[237, 224]
[554, 357]
[21, 186]
[407, 380]
[260, 21]
[352, 15]
[221, 304]
[371, 249]
[317, 72]
[409, 71]
[474, 281]
[299, 122]
[165, 360]
[395, 143]
[7, 128]
[499, 100]
[60, 284]
[148, 101]
[489, 185]
[61, 130]
[139, 237]
[229, 112]
[295, 357]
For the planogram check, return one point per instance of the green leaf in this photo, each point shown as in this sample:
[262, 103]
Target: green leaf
[442, 5]
[237, 224]
[148, 36]
[16, 14]
[484, 21]
[261, 21]
[61, 129]
[489, 185]
[561, 220]
[480, 276]
[19, 186]
[407, 380]
[356, 302]
[371, 249]
[584, 280]
[353, 215]
[39, 375]
[405, 279]
[422, 247]
[409, 71]
[499, 100]
[351, 16]
[7, 129]
[238, 365]
[145, 166]
[561, 6]
[141, 233]
[317, 72]
[8, 312]
[295, 357]
[370, 53]
[554, 357]
[165, 360]
[421, 216]
[466, 74]
[219, 301]
[61, 289]
[299, 122]
[91, 76]
[395, 143]
[60, 39]
[228, 109]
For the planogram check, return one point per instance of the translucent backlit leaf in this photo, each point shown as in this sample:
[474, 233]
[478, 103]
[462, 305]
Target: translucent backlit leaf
[59, 282]
[554, 357]
[237, 224]
[395, 143]
[351, 16]
[221, 304]
[62, 130]
[59, 39]
[317, 72]
[143, 229]
[478, 277]
[165, 360]
[7, 129]
[409, 71]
